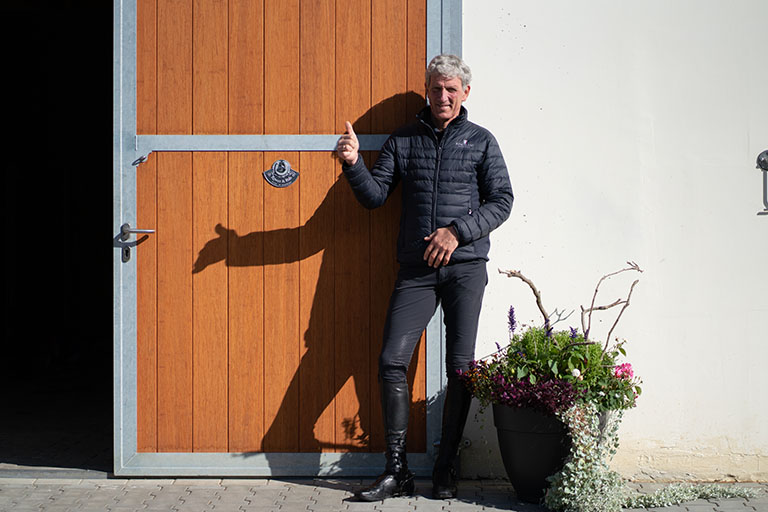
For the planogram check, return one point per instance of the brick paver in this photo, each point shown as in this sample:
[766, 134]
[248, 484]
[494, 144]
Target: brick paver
[264, 495]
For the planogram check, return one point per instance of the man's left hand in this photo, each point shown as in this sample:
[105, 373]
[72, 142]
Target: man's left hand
[442, 243]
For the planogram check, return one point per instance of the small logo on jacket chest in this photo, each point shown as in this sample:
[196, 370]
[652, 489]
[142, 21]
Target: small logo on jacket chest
[464, 143]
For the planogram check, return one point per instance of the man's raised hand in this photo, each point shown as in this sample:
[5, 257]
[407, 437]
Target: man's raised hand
[348, 145]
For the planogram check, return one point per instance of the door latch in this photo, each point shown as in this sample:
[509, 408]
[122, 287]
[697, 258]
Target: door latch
[121, 240]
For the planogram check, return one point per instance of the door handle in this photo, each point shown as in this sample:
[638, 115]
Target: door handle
[126, 231]
[121, 240]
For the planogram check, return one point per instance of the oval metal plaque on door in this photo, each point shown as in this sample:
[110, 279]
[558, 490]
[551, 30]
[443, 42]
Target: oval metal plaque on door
[281, 175]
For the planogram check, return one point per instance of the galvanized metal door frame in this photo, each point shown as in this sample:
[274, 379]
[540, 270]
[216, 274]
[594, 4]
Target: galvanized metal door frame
[443, 36]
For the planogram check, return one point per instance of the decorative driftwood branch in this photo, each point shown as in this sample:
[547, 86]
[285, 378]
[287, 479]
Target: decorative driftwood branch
[586, 313]
[626, 305]
[536, 293]
[586, 328]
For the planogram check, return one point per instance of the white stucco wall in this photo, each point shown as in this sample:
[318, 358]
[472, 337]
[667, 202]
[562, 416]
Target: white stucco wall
[631, 131]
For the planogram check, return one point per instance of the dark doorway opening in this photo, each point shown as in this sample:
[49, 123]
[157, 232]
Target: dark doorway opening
[56, 363]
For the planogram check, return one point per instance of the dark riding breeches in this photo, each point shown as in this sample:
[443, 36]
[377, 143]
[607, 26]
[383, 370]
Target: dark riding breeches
[458, 288]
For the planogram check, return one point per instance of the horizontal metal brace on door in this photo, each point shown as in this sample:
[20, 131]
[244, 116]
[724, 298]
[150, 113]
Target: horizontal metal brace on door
[146, 144]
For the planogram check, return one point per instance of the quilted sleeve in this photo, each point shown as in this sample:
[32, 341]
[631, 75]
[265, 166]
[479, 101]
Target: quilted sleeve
[372, 188]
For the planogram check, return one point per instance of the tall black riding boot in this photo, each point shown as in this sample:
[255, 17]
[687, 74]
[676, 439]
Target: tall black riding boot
[455, 411]
[396, 480]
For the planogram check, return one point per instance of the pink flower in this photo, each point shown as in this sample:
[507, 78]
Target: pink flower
[623, 371]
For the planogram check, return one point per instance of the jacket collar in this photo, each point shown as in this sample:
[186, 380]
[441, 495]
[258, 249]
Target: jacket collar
[425, 116]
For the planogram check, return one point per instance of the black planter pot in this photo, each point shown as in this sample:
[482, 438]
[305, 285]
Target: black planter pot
[533, 446]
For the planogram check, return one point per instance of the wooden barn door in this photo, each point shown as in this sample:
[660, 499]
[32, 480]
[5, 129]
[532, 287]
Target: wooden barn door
[260, 309]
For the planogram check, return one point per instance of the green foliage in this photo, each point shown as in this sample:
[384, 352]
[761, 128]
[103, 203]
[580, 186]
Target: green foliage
[586, 483]
[538, 355]
[680, 493]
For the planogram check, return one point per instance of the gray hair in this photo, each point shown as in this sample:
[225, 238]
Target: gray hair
[449, 66]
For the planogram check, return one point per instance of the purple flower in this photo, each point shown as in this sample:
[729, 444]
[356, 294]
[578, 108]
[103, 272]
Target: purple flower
[574, 333]
[511, 319]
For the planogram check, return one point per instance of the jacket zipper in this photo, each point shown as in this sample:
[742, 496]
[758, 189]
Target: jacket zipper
[436, 183]
[440, 145]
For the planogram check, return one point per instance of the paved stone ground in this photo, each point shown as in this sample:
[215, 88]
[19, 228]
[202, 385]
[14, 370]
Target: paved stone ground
[27, 494]
[56, 455]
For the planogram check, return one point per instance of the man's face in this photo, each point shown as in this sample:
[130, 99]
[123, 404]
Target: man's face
[445, 98]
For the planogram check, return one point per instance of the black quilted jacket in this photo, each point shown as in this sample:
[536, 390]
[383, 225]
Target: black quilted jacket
[461, 180]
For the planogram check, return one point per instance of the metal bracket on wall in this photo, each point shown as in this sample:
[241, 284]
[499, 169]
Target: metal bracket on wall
[146, 144]
[762, 164]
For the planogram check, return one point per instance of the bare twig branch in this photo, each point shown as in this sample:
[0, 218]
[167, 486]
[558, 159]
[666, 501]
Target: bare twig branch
[536, 293]
[560, 316]
[607, 306]
[586, 328]
[596, 308]
[626, 305]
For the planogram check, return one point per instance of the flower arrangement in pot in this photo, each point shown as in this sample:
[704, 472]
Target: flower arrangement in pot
[558, 398]
[549, 386]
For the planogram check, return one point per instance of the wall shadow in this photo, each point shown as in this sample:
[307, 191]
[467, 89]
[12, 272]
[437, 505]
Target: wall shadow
[240, 250]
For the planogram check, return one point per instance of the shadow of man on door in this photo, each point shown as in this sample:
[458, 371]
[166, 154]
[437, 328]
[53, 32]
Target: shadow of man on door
[329, 366]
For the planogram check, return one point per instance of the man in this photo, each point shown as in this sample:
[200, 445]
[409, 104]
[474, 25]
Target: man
[456, 190]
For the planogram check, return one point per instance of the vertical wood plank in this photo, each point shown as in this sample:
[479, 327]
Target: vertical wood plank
[210, 50]
[174, 225]
[317, 73]
[210, 294]
[316, 115]
[389, 57]
[281, 66]
[246, 241]
[146, 67]
[316, 311]
[146, 303]
[353, 68]
[353, 331]
[210, 308]
[388, 83]
[246, 302]
[246, 67]
[352, 238]
[417, 50]
[174, 67]
[282, 339]
[146, 215]
[174, 295]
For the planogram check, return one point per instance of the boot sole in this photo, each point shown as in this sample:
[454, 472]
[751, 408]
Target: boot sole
[407, 489]
[371, 499]
[443, 495]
